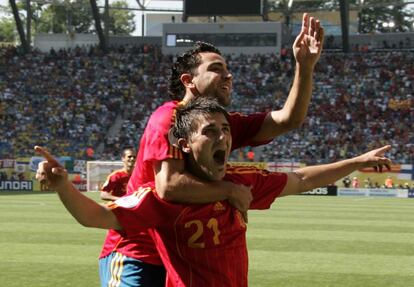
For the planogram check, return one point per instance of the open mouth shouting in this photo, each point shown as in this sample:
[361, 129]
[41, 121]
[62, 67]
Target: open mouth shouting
[219, 157]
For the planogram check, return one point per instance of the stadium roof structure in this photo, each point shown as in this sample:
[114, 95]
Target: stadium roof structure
[283, 7]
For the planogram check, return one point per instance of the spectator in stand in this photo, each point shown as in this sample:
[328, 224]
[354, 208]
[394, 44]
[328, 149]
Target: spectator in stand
[90, 153]
[250, 155]
[3, 176]
[355, 182]
[116, 182]
[373, 89]
[367, 183]
[346, 182]
[389, 183]
[86, 83]
[13, 176]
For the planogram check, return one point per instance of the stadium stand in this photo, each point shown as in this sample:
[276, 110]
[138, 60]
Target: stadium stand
[68, 100]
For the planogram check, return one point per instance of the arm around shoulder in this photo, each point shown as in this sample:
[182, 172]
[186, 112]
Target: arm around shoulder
[174, 184]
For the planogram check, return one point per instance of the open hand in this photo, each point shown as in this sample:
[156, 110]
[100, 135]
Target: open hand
[307, 47]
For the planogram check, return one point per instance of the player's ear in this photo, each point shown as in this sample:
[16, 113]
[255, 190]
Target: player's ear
[187, 80]
[184, 146]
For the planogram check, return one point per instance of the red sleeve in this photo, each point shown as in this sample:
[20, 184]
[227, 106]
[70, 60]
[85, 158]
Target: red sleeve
[109, 184]
[139, 211]
[244, 128]
[155, 145]
[266, 185]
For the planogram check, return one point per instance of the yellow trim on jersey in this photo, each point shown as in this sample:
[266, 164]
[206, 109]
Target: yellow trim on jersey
[247, 170]
[173, 151]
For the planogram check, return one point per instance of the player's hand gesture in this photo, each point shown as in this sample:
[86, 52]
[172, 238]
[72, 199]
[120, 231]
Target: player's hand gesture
[307, 47]
[376, 159]
[50, 172]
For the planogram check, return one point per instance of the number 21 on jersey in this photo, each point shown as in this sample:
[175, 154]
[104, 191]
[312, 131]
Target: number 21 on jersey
[212, 225]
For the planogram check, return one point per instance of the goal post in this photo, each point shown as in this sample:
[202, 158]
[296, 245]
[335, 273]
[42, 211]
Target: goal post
[98, 171]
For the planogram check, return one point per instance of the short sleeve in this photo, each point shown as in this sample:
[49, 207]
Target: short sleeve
[141, 210]
[244, 128]
[266, 185]
[109, 184]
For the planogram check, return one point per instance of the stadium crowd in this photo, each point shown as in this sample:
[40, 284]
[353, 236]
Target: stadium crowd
[68, 100]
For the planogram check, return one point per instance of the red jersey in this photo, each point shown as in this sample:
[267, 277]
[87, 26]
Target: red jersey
[200, 245]
[154, 146]
[116, 183]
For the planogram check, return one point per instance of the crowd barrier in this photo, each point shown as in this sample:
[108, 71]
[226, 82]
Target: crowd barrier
[18, 175]
[361, 192]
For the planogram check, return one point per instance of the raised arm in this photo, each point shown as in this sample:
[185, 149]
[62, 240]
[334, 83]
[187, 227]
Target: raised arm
[307, 49]
[85, 210]
[311, 177]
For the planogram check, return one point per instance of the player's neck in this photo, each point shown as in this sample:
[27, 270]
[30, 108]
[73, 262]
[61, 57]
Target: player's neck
[128, 170]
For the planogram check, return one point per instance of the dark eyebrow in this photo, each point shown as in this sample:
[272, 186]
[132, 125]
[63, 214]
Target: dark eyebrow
[210, 125]
[217, 64]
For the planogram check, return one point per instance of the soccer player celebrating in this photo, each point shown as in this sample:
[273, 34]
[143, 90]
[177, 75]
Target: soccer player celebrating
[200, 244]
[199, 72]
[115, 185]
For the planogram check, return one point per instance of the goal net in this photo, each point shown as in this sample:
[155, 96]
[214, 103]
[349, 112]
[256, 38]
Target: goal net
[97, 172]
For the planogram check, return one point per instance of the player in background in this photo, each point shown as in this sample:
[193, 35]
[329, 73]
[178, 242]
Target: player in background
[115, 187]
[116, 183]
[200, 71]
[200, 245]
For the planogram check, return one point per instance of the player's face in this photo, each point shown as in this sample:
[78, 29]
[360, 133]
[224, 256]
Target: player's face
[213, 78]
[210, 147]
[129, 159]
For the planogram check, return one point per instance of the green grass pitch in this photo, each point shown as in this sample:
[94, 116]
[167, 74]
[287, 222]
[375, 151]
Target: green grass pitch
[302, 241]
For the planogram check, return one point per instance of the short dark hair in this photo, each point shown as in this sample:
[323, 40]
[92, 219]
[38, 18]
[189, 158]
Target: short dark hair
[187, 63]
[186, 115]
[125, 149]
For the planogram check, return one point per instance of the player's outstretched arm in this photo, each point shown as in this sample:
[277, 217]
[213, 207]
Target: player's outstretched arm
[307, 49]
[85, 210]
[311, 177]
[175, 184]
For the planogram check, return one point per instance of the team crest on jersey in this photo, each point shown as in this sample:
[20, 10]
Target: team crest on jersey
[218, 206]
